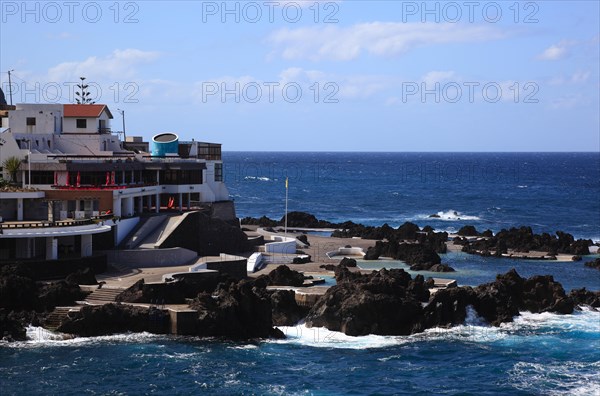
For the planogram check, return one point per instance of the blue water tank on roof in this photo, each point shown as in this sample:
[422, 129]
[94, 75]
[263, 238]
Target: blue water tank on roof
[164, 144]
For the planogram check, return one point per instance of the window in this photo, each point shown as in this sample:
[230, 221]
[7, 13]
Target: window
[81, 123]
[30, 121]
[1, 118]
[218, 172]
[42, 177]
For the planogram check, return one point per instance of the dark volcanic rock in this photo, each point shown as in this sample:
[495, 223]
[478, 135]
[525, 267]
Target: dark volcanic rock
[585, 297]
[593, 264]
[284, 276]
[468, 230]
[328, 267]
[302, 260]
[348, 262]
[261, 222]
[82, 277]
[523, 240]
[432, 267]
[107, 319]
[373, 252]
[59, 293]
[411, 253]
[304, 239]
[238, 311]
[448, 307]
[171, 292]
[501, 300]
[12, 327]
[388, 302]
[284, 308]
[305, 220]
[378, 303]
[18, 290]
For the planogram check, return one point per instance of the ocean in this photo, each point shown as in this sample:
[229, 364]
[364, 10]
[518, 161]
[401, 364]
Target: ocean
[536, 354]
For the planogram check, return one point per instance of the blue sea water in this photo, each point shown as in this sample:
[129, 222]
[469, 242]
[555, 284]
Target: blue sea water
[547, 191]
[536, 354]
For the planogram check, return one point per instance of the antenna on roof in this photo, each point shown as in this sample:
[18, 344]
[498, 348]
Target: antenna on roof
[10, 86]
[122, 112]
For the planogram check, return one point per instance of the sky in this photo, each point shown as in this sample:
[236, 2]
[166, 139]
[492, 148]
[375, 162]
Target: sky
[320, 75]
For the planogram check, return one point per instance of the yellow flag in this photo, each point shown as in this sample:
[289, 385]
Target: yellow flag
[286, 182]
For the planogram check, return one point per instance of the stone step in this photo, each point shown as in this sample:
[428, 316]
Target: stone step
[56, 317]
[105, 295]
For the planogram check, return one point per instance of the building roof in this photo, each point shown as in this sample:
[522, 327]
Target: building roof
[85, 110]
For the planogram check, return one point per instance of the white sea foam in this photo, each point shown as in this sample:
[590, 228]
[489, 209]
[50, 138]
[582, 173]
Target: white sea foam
[475, 330]
[453, 215]
[320, 337]
[565, 377]
[40, 337]
[448, 215]
[259, 178]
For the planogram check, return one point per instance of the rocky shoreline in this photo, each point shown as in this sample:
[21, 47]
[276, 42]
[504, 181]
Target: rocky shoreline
[385, 302]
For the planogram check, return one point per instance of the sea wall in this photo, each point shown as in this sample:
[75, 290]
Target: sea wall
[170, 257]
[55, 269]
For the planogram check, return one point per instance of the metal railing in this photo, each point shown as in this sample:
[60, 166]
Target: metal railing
[46, 224]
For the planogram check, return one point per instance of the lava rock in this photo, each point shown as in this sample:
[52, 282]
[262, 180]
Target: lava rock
[302, 260]
[284, 308]
[284, 276]
[593, 264]
[585, 297]
[448, 307]
[468, 230]
[432, 267]
[501, 300]
[348, 262]
[58, 293]
[377, 303]
[82, 277]
[304, 239]
[238, 311]
[107, 319]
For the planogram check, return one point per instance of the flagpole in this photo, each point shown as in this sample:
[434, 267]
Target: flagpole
[286, 206]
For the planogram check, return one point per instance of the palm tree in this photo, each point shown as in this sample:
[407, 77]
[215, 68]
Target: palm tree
[12, 165]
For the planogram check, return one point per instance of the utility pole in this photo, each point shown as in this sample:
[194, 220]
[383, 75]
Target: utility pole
[29, 162]
[122, 112]
[10, 86]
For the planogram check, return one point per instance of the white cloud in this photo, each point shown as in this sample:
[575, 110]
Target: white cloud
[438, 77]
[376, 38]
[118, 65]
[580, 77]
[556, 51]
[568, 101]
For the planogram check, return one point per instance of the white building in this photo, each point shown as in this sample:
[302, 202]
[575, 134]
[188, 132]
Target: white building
[78, 170]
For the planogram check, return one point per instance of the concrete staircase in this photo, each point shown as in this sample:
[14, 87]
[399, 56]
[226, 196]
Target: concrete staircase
[103, 296]
[161, 231]
[146, 227]
[56, 317]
